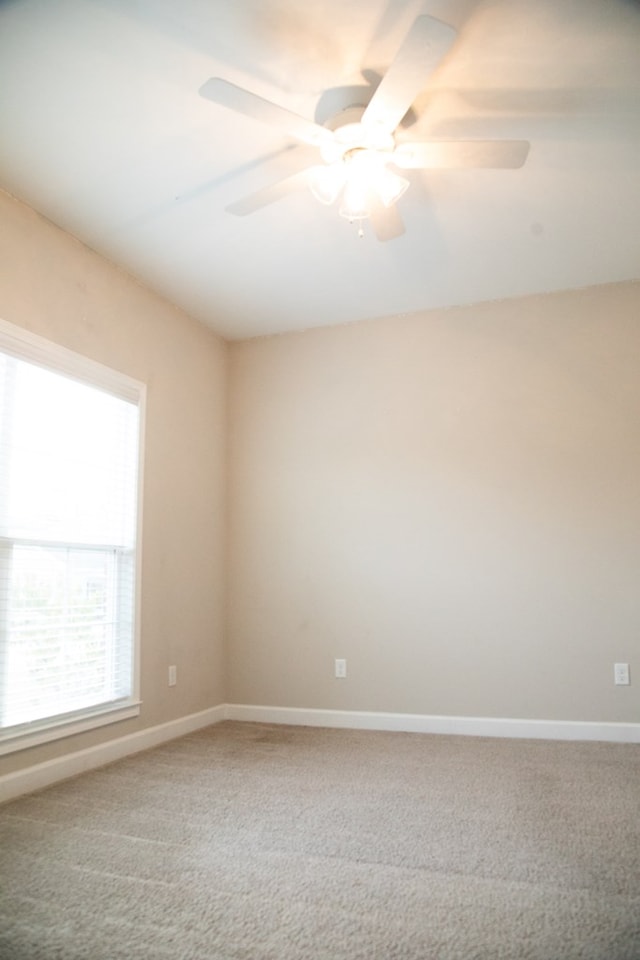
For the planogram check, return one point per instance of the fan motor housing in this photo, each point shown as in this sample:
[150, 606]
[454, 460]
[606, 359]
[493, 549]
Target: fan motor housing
[351, 135]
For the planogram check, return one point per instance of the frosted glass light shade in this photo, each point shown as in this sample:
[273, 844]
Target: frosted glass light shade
[327, 182]
[356, 200]
[390, 186]
[363, 178]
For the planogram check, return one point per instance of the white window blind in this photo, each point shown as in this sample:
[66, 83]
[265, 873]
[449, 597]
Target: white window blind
[69, 452]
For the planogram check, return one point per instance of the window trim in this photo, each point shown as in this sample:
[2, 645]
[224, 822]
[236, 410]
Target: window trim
[33, 348]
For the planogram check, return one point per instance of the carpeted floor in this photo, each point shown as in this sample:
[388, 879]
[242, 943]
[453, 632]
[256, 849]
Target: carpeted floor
[259, 842]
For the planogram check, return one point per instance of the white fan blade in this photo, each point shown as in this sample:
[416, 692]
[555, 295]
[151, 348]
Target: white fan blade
[459, 154]
[265, 196]
[243, 101]
[386, 222]
[423, 49]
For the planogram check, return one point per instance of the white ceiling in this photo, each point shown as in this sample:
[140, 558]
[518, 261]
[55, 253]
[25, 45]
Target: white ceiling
[103, 131]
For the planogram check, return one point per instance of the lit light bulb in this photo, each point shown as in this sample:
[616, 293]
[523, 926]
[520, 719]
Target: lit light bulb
[356, 200]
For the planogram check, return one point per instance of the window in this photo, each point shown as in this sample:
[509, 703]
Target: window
[69, 489]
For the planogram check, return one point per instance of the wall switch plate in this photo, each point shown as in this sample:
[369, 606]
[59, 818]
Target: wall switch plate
[621, 674]
[341, 669]
[173, 676]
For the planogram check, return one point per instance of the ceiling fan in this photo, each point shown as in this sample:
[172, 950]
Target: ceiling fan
[358, 147]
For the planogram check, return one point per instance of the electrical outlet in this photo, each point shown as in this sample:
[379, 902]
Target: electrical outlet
[341, 669]
[173, 676]
[621, 674]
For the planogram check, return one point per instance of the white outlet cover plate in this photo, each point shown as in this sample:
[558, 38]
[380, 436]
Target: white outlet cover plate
[621, 674]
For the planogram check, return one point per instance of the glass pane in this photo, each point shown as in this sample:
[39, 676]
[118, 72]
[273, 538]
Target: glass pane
[69, 459]
[64, 646]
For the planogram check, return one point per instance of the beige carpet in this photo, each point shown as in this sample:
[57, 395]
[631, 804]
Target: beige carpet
[257, 842]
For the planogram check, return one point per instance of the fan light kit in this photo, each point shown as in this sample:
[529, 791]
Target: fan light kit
[358, 146]
[356, 167]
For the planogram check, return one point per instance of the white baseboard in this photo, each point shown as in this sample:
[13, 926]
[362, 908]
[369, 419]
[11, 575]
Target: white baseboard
[43, 774]
[423, 723]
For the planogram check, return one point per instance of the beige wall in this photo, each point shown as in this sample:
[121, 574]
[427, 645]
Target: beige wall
[449, 501]
[54, 286]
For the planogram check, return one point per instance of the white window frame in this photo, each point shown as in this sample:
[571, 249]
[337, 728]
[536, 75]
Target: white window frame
[33, 348]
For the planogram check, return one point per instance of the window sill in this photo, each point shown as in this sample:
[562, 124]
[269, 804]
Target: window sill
[33, 734]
